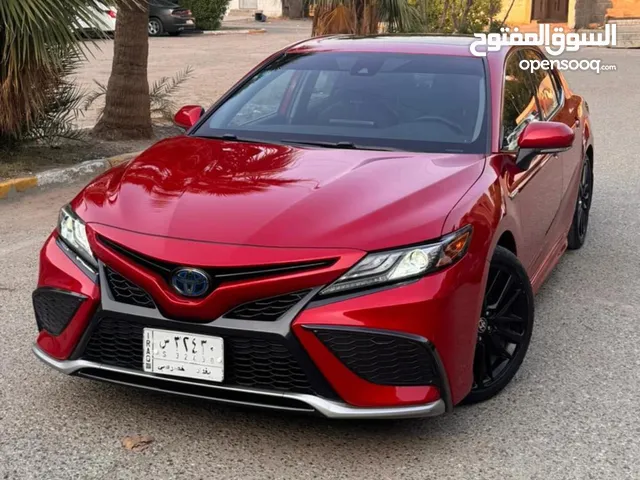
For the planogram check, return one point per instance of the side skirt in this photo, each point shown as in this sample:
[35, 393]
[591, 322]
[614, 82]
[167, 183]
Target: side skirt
[550, 262]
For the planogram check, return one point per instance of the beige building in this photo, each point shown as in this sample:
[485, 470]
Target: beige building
[574, 13]
[271, 8]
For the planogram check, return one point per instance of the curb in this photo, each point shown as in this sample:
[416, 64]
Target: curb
[10, 188]
[234, 32]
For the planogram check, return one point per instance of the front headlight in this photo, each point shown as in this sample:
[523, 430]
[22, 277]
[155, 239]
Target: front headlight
[73, 232]
[396, 265]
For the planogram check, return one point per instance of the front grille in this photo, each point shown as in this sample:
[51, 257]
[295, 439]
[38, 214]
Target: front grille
[249, 361]
[55, 308]
[218, 275]
[126, 292]
[381, 358]
[267, 309]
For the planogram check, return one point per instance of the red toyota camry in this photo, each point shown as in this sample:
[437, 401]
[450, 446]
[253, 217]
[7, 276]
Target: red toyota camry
[357, 229]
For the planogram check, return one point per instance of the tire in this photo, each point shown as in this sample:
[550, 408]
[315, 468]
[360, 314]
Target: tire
[155, 27]
[579, 225]
[505, 327]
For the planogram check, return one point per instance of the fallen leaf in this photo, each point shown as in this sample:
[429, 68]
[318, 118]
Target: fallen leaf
[137, 443]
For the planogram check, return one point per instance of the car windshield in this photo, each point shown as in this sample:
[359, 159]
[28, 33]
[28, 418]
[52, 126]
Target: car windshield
[386, 101]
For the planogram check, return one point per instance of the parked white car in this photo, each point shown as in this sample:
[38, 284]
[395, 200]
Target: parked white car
[105, 19]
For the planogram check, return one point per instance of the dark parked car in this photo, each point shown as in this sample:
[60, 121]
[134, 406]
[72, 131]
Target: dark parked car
[169, 17]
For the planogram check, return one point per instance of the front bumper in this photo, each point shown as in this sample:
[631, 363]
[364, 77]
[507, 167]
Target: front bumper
[286, 401]
[435, 316]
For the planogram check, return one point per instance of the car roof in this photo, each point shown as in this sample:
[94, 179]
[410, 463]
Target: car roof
[454, 45]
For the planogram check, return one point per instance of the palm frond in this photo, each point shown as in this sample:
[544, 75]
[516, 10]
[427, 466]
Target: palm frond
[35, 37]
[161, 93]
[399, 15]
[94, 95]
[58, 118]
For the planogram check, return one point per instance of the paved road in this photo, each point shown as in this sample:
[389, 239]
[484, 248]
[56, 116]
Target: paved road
[571, 412]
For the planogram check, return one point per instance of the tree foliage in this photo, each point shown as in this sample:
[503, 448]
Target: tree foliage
[463, 16]
[363, 17]
[38, 50]
[208, 13]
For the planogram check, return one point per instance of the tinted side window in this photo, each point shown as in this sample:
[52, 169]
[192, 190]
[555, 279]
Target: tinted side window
[519, 106]
[546, 88]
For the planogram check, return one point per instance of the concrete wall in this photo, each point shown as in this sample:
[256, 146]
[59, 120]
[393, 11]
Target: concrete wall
[582, 13]
[271, 8]
[624, 9]
[520, 12]
[595, 11]
[589, 12]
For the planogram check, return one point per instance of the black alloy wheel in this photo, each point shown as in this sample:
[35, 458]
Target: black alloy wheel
[578, 231]
[504, 328]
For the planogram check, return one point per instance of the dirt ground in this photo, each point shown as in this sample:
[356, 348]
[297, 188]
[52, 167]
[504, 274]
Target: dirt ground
[32, 159]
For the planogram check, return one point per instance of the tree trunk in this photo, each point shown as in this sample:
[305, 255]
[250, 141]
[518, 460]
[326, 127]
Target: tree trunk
[358, 5]
[127, 111]
[445, 10]
[465, 17]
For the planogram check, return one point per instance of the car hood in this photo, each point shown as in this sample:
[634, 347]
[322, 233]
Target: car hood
[280, 196]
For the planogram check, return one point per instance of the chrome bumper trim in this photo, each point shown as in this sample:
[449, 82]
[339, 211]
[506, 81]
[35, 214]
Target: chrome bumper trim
[328, 408]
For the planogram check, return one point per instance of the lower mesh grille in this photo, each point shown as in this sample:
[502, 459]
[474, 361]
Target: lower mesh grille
[267, 309]
[54, 309]
[249, 361]
[383, 359]
[126, 292]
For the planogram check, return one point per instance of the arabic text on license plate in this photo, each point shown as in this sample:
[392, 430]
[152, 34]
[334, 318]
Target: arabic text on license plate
[183, 354]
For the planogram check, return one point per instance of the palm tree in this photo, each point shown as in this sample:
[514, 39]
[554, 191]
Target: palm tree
[366, 17]
[363, 17]
[37, 44]
[127, 111]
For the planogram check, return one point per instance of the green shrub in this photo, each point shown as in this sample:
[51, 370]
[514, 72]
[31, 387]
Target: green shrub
[458, 16]
[208, 13]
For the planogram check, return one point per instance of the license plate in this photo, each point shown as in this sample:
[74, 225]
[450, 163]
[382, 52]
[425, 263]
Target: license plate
[183, 354]
[189, 22]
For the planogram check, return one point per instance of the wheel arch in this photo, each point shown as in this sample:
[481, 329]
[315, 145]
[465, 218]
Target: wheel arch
[508, 241]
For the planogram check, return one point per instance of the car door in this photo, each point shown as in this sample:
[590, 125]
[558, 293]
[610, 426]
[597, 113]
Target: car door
[534, 193]
[557, 108]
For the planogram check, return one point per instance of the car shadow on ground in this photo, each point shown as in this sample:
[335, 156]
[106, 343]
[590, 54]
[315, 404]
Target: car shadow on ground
[200, 418]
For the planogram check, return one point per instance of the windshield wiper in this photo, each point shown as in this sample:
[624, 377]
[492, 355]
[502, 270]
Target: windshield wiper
[342, 145]
[234, 138]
